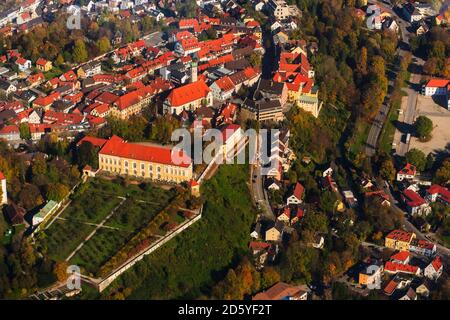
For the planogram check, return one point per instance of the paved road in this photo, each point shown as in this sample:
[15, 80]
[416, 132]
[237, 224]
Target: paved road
[257, 188]
[378, 122]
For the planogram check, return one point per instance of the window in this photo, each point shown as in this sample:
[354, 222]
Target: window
[143, 173]
[134, 165]
[142, 166]
[126, 164]
[158, 169]
[150, 168]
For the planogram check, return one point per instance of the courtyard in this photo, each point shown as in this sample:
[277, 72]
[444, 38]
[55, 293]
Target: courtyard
[440, 141]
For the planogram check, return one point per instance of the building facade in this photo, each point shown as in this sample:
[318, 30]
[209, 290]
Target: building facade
[154, 162]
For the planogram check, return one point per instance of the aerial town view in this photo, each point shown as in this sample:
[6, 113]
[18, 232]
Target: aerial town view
[224, 150]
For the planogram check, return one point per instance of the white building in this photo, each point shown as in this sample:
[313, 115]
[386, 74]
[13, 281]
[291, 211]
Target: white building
[434, 270]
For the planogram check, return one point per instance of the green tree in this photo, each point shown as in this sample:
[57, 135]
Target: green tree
[387, 170]
[80, 53]
[417, 158]
[103, 45]
[24, 130]
[424, 127]
[443, 173]
[57, 191]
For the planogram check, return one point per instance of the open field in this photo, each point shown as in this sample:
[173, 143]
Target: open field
[134, 205]
[441, 121]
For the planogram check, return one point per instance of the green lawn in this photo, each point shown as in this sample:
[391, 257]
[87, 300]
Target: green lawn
[129, 218]
[63, 237]
[387, 135]
[193, 261]
[359, 139]
[93, 202]
[99, 249]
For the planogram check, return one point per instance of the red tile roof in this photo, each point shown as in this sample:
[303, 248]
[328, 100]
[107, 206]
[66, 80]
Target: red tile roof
[400, 256]
[96, 142]
[41, 62]
[440, 190]
[398, 267]
[400, 235]
[118, 147]
[134, 97]
[228, 131]
[187, 23]
[409, 169]
[258, 245]
[298, 191]
[188, 93]
[412, 199]
[225, 84]
[48, 100]
[439, 83]
[8, 129]
[437, 263]
[390, 288]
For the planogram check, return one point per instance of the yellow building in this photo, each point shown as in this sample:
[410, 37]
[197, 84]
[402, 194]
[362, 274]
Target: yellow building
[132, 103]
[399, 240]
[154, 162]
[43, 65]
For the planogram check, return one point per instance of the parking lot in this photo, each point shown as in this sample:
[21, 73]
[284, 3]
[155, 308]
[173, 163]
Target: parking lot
[440, 116]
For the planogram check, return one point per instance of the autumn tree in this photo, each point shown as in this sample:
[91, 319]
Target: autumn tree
[60, 271]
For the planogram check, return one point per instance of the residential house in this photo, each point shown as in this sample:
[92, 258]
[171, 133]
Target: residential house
[408, 172]
[422, 247]
[401, 257]
[394, 268]
[7, 87]
[43, 65]
[283, 291]
[399, 240]
[434, 270]
[132, 102]
[409, 295]
[23, 64]
[415, 204]
[274, 232]
[223, 88]
[350, 198]
[295, 197]
[411, 13]
[89, 69]
[371, 275]
[438, 193]
[10, 133]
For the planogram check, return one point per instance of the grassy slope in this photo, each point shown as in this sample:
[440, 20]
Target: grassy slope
[194, 260]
